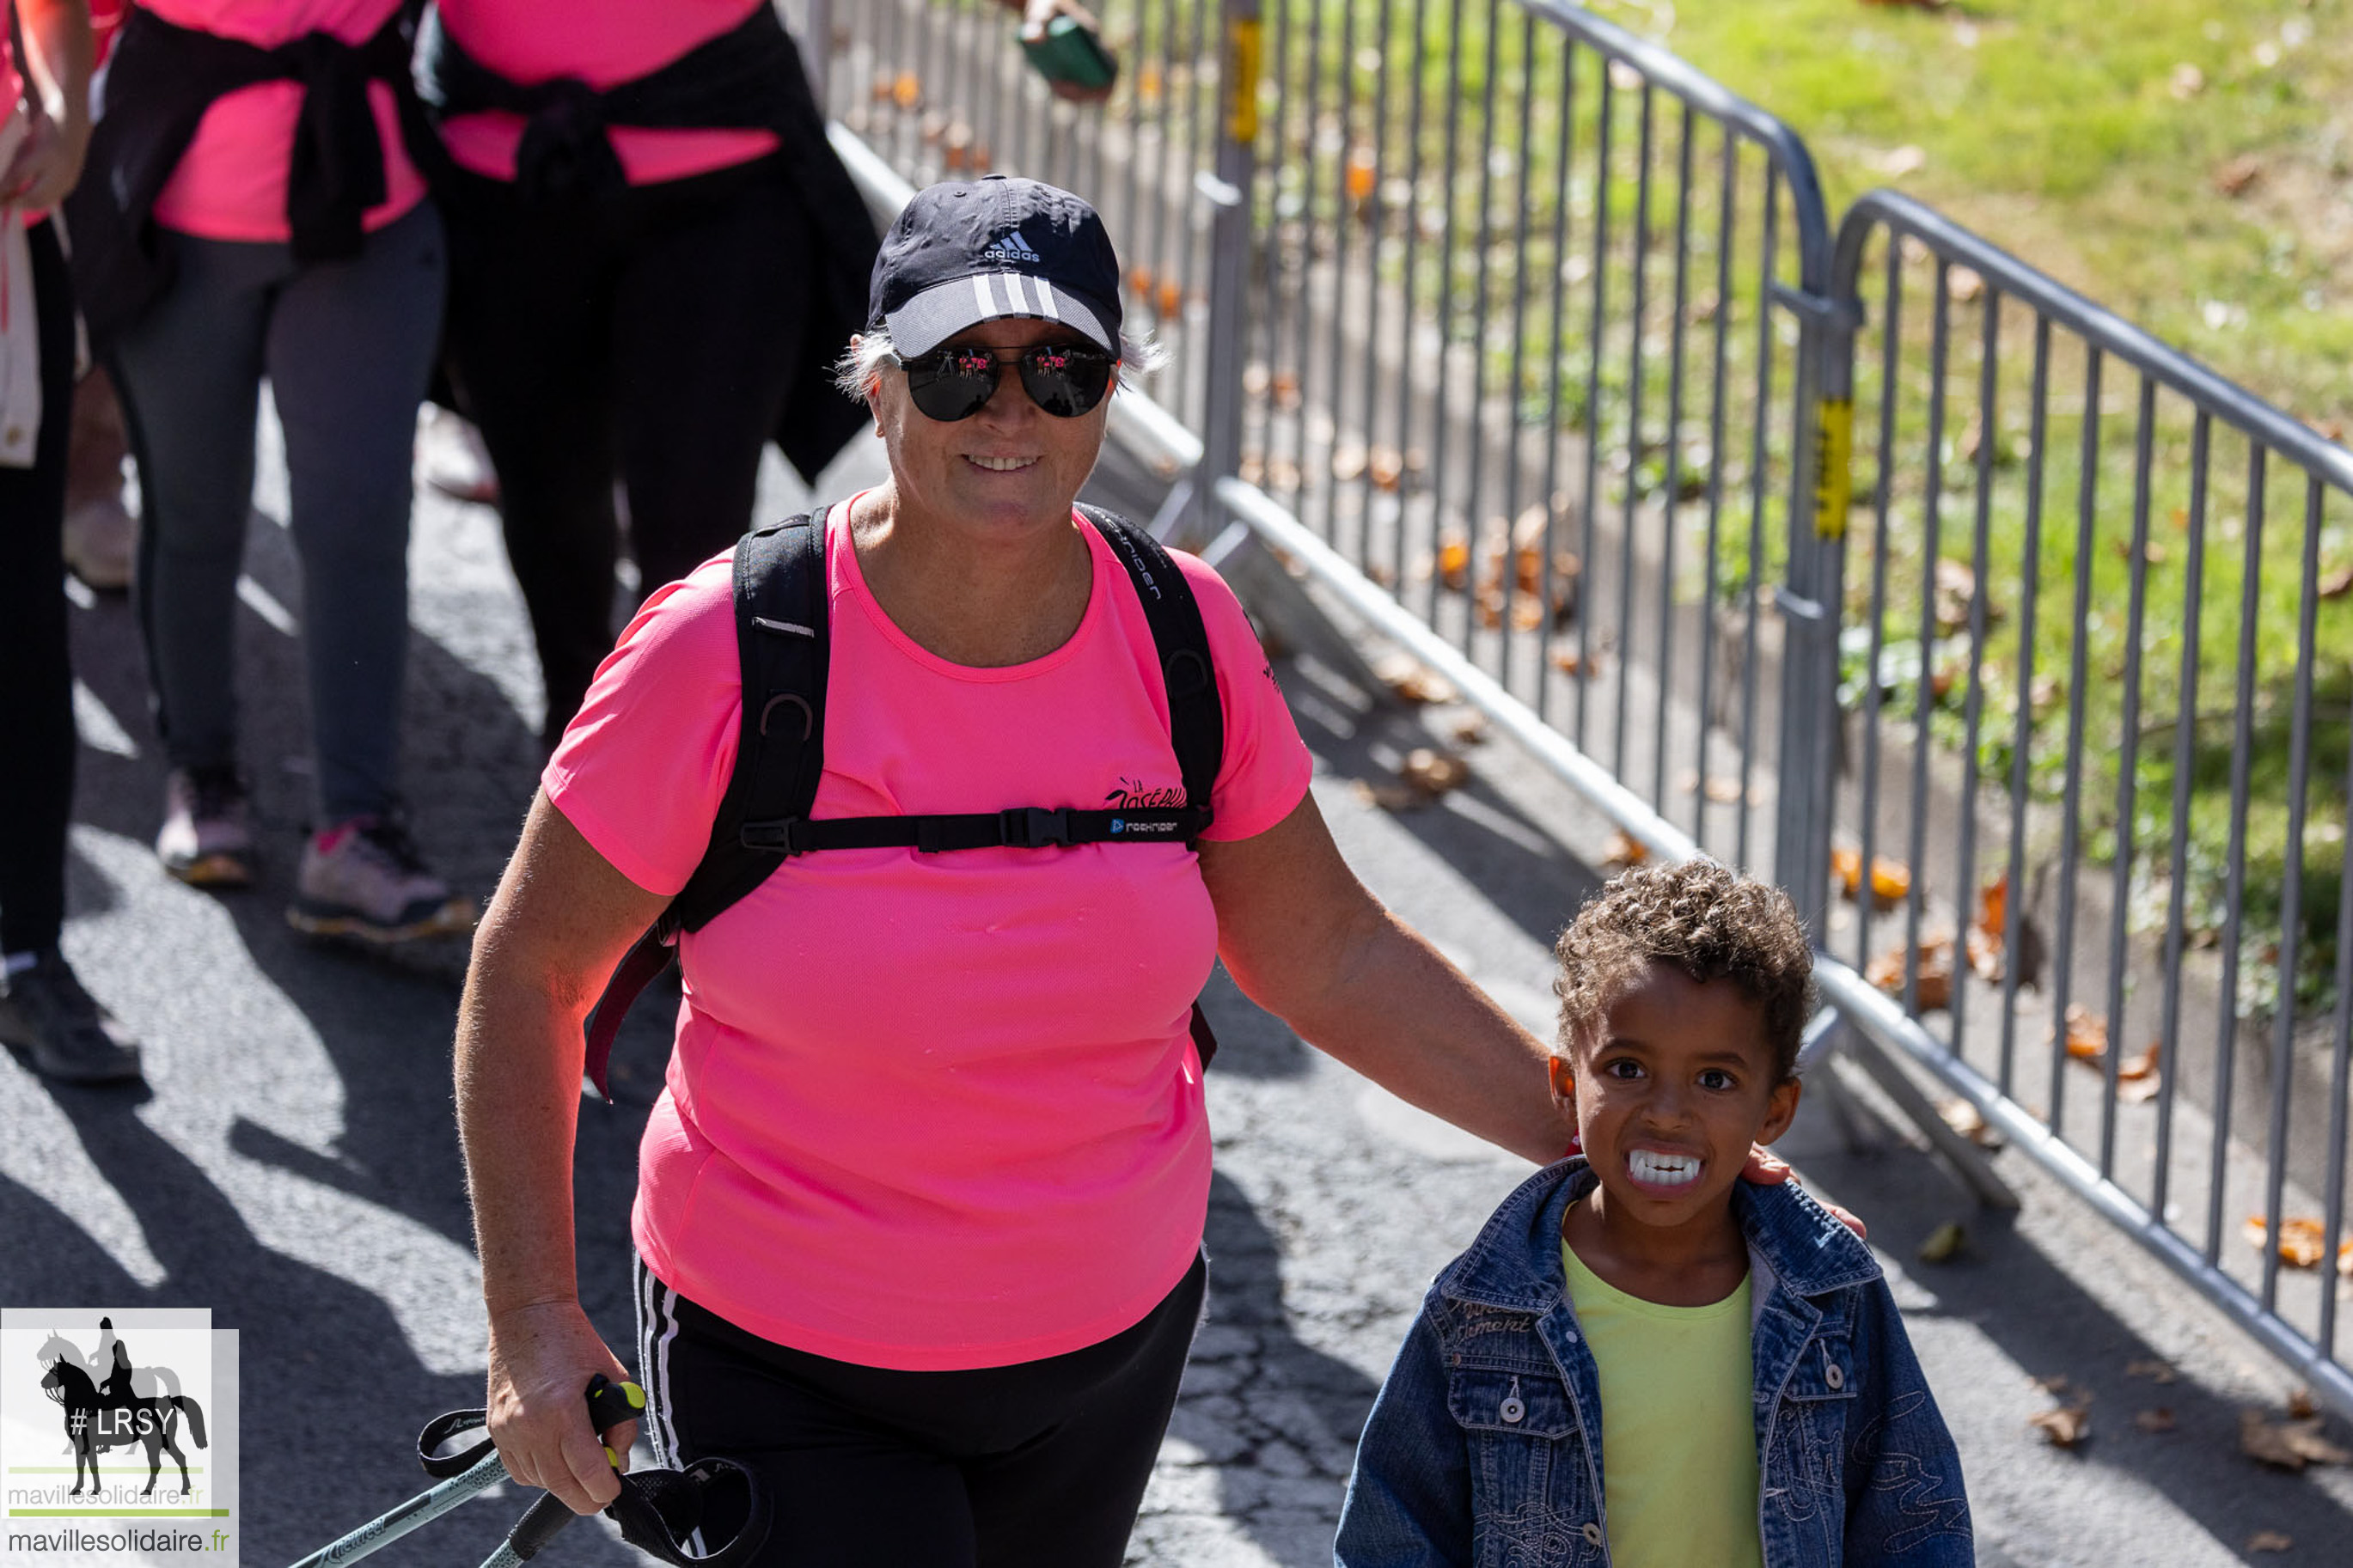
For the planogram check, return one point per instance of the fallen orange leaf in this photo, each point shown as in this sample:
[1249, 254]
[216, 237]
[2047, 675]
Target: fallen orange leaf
[2065, 1427]
[1454, 563]
[1936, 964]
[2287, 1444]
[1890, 880]
[1433, 772]
[2300, 1242]
[2087, 1034]
[1624, 850]
[1412, 680]
[2158, 1420]
[1995, 918]
[2270, 1540]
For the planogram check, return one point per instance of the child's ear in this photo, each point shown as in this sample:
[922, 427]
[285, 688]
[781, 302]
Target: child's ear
[1563, 1074]
[1781, 1108]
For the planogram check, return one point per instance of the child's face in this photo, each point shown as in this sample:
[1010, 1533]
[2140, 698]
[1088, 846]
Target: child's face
[1671, 1092]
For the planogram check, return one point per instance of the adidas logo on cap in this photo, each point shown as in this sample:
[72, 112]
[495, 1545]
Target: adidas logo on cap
[1009, 247]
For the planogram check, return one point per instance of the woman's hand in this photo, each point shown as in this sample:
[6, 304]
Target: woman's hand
[55, 108]
[542, 1357]
[46, 163]
[1035, 15]
[1769, 1170]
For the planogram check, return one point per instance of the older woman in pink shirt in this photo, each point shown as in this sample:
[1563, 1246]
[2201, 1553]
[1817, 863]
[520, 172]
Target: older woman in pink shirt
[919, 1209]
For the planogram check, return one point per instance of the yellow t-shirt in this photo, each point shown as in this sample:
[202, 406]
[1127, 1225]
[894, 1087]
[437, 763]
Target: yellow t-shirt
[1678, 1443]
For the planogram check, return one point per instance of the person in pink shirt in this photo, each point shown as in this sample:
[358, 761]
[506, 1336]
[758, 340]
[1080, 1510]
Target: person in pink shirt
[655, 254]
[254, 215]
[920, 1208]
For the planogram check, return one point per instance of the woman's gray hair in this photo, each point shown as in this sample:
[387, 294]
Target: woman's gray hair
[862, 361]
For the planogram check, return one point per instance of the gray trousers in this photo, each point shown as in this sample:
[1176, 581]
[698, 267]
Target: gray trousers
[347, 347]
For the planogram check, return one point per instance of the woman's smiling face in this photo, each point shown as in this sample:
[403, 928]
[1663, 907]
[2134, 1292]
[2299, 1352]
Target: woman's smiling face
[1011, 467]
[1668, 1093]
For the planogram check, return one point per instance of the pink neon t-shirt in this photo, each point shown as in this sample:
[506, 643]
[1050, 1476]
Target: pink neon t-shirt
[930, 1112]
[602, 43]
[231, 182]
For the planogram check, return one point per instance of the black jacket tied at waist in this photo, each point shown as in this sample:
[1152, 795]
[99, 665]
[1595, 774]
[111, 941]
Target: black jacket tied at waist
[160, 81]
[747, 79]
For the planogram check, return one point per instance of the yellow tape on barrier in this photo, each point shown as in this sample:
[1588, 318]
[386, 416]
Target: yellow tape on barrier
[1244, 42]
[1833, 451]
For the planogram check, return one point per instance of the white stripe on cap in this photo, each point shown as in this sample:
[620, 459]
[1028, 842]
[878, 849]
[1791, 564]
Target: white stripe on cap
[1046, 307]
[987, 300]
[1020, 295]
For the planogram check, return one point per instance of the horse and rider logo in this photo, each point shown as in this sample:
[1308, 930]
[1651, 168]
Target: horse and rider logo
[105, 1401]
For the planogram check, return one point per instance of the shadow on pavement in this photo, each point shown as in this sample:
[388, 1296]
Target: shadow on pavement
[331, 1397]
[2006, 1286]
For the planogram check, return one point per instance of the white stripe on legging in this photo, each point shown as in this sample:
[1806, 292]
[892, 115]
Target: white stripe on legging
[656, 1327]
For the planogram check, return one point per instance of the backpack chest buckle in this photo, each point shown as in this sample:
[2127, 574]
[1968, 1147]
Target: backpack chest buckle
[1034, 827]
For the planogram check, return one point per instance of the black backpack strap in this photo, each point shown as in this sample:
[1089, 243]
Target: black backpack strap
[781, 643]
[1197, 720]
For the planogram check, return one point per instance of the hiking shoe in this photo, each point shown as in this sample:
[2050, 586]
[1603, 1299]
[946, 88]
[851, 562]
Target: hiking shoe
[364, 879]
[44, 1011]
[207, 836]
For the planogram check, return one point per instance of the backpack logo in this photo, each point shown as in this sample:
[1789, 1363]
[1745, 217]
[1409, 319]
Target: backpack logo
[1009, 247]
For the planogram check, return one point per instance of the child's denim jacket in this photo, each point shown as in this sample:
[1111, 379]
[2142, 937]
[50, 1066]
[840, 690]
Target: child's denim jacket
[1485, 1449]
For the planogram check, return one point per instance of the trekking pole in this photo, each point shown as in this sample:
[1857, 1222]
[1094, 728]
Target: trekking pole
[469, 1473]
[609, 1404]
[426, 1506]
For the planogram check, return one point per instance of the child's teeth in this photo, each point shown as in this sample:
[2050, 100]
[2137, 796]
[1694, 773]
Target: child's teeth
[1664, 1170]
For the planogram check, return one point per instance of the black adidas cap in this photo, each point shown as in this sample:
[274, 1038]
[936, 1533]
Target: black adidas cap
[968, 252]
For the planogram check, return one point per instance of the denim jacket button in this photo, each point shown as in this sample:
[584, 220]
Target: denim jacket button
[1834, 1377]
[1512, 1410]
[1593, 1535]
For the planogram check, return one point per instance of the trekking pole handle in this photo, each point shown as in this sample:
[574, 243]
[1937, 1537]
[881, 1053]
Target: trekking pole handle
[609, 1404]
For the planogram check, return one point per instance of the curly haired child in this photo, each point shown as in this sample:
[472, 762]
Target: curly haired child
[1735, 1346]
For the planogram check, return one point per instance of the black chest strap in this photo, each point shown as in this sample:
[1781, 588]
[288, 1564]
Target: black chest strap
[782, 645]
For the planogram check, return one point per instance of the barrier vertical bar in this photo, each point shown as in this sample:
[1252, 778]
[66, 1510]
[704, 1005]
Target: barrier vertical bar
[1891, 339]
[2071, 827]
[2022, 742]
[1237, 130]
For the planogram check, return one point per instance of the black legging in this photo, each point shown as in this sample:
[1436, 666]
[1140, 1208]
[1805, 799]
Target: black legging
[36, 677]
[1040, 1463]
[648, 335]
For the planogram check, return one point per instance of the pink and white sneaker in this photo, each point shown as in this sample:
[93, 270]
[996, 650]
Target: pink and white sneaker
[364, 879]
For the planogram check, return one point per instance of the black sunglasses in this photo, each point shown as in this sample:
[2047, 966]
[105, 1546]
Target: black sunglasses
[956, 382]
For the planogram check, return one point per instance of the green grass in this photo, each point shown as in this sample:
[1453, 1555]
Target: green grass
[2058, 134]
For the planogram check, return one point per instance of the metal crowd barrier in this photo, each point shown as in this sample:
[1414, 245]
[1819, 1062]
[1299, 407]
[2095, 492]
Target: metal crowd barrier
[1533, 348]
[2040, 754]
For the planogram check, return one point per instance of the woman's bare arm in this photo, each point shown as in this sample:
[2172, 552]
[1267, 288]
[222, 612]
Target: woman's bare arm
[1308, 943]
[561, 918]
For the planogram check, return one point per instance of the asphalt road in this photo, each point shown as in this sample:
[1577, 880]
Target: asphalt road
[294, 1167]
